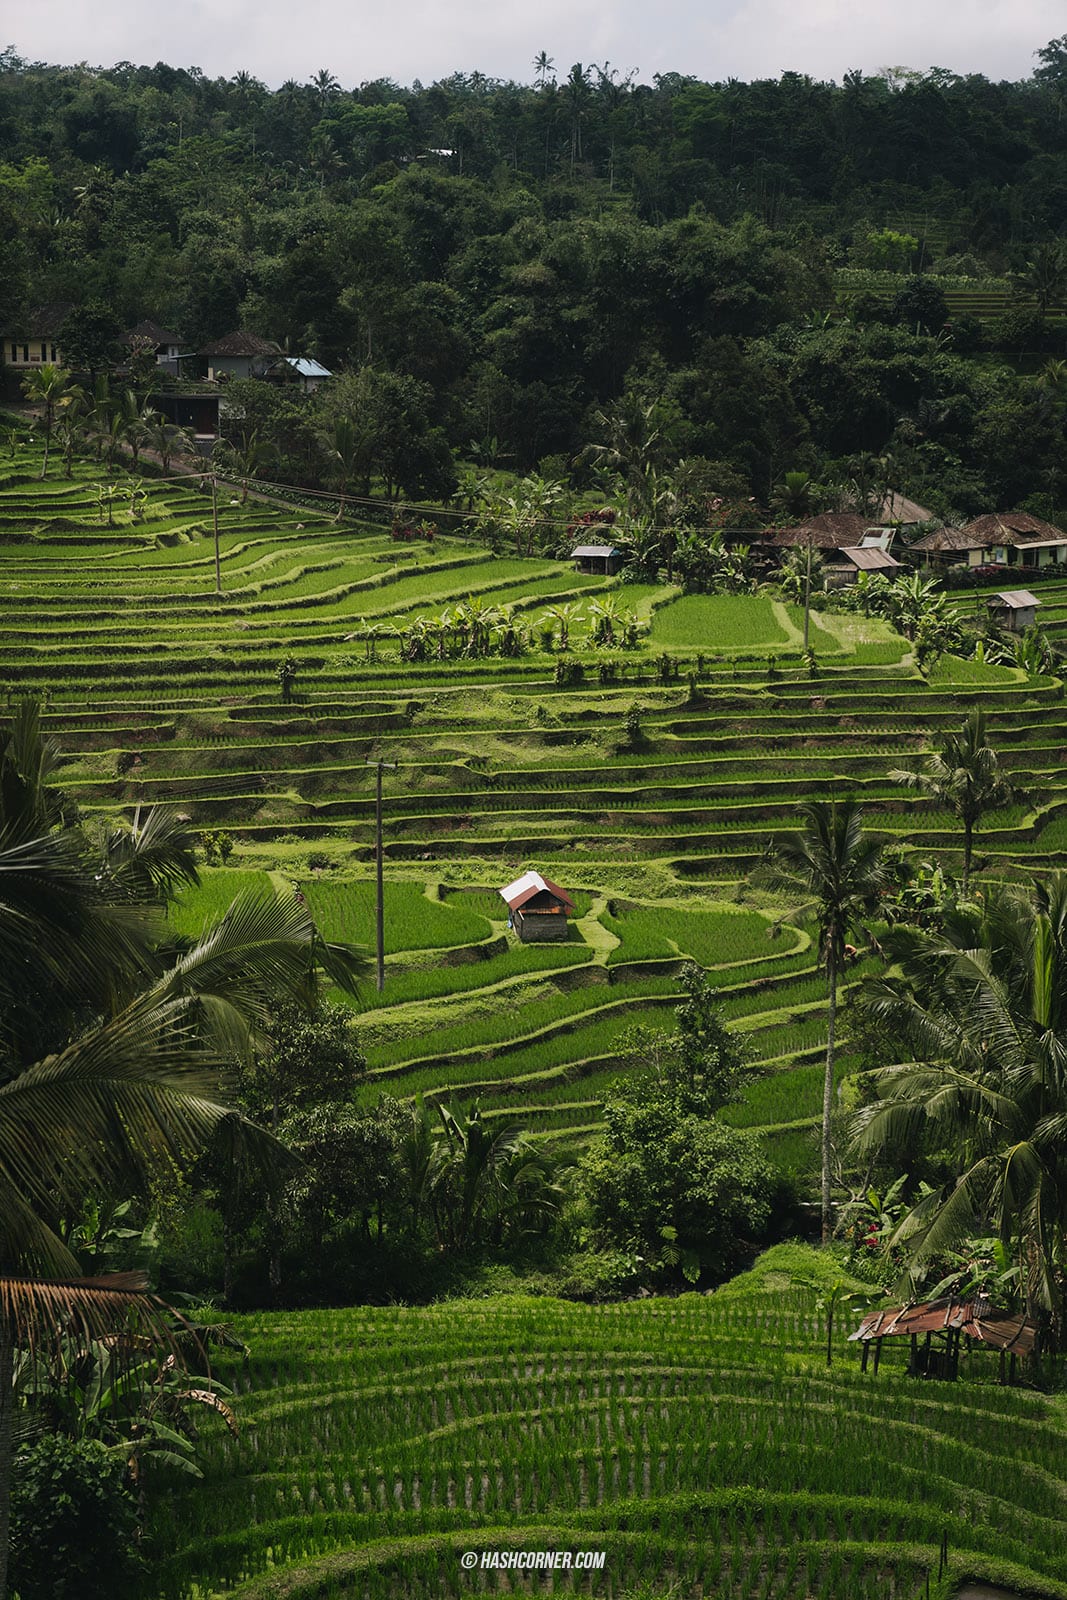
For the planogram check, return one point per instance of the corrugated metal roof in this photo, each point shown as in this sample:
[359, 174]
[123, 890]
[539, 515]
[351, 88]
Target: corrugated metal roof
[593, 550]
[532, 883]
[871, 560]
[306, 367]
[1016, 599]
[975, 1318]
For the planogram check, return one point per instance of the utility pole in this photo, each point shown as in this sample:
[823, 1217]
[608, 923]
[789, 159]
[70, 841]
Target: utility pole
[807, 595]
[380, 904]
[215, 525]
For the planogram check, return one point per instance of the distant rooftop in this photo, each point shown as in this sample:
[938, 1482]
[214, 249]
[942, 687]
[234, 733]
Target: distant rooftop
[241, 343]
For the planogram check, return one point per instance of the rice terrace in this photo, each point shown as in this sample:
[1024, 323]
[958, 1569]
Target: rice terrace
[720, 1443]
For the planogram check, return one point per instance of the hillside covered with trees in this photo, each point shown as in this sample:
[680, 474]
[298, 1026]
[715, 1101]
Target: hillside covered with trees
[785, 266]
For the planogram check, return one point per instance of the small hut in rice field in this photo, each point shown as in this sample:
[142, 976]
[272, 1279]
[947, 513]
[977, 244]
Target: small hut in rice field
[936, 1328]
[537, 908]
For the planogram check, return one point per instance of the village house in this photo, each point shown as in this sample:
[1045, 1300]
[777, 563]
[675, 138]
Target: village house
[897, 511]
[246, 355]
[298, 372]
[1001, 538]
[167, 345]
[537, 908]
[847, 545]
[34, 340]
[842, 567]
[238, 355]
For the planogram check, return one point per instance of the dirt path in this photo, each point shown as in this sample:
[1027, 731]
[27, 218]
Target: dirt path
[601, 940]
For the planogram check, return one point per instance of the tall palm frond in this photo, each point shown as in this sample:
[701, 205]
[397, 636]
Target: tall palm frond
[986, 1025]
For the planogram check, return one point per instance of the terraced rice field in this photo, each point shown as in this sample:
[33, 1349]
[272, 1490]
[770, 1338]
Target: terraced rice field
[701, 1444]
[164, 690]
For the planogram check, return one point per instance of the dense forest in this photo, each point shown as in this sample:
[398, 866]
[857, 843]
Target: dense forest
[505, 268]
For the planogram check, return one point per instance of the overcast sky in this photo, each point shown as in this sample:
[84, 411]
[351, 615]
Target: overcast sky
[428, 39]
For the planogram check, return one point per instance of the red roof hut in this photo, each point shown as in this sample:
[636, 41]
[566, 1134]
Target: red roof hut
[538, 908]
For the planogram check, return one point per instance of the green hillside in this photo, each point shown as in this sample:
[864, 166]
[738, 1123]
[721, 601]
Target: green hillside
[701, 1443]
[163, 691]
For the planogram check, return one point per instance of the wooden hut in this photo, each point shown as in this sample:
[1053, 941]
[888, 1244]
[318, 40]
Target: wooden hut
[1014, 609]
[935, 1329]
[602, 559]
[537, 908]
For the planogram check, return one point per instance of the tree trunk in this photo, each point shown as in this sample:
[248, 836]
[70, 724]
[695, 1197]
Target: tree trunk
[828, 1094]
[7, 1422]
[968, 841]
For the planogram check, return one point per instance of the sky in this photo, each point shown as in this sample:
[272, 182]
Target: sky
[358, 40]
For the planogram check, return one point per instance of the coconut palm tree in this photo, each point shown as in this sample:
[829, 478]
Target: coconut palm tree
[112, 1037]
[962, 777]
[243, 458]
[166, 438]
[632, 443]
[543, 64]
[795, 495]
[49, 388]
[981, 1011]
[838, 873]
[71, 425]
[1044, 278]
[346, 448]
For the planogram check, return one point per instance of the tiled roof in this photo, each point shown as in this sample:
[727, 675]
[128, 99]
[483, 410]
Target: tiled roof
[241, 344]
[1011, 528]
[947, 539]
[44, 322]
[830, 530]
[151, 330]
[898, 508]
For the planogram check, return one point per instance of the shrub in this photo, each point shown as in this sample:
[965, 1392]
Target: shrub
[73, 1522]
[683, 1191]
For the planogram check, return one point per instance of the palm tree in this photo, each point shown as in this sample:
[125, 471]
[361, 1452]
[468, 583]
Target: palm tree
[49, 388]
[243, 458]
[1044, 278]
[543, 64]
[914, 600]
[112, 1038]
[325, 86]
[838, 872]
[166, 437]
[962, 777]
[323, 158]
[632, 444]
[981, 1010]
[71, 426]
[483, 1180]
[577, 91]
[347, 448]
[795, 495]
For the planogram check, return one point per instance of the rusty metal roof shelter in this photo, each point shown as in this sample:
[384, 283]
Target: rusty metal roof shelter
[950, 1320]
